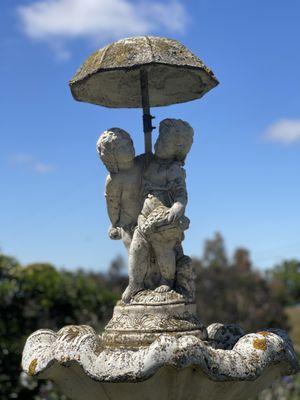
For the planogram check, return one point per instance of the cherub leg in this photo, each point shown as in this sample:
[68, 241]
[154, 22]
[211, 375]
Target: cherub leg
[126, 238]
[137, 266]
[166, 259]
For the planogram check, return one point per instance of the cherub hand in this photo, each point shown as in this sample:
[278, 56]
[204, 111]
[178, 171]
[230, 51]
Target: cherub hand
[176, 211]
[114, 233]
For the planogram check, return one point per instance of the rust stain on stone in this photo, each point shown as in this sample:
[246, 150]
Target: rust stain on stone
[260, 344]
[32, 367]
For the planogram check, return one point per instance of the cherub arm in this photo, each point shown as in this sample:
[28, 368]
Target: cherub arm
[113, 192]
[177, 177]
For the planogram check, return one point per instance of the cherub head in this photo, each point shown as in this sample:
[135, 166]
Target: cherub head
[116, 150]
[175, 139]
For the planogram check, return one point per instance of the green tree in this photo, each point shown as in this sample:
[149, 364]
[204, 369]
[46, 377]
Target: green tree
[214, 254]
[231, 291]
[40, 296]
[285, 281]
[241, 260]
[116, 278]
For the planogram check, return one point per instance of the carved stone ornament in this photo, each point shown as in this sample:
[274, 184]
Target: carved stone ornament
[229, 365]
[155, 346]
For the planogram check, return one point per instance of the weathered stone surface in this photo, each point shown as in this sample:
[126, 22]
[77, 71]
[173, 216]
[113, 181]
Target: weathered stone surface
[146, 197]
[224, 336]
[170, 368]
[110, 76]
[149, 315]
[155, 346]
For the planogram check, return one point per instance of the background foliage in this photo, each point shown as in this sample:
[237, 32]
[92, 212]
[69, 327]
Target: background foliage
[228, 290]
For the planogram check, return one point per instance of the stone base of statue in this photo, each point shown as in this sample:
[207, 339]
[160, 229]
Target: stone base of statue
[156, 347]
[150, 315]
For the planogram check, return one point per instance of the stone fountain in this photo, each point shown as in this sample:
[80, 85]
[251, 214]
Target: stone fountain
[155, 345]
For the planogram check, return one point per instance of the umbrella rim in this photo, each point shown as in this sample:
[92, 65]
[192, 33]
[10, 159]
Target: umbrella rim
[73, 82]
[138, 107]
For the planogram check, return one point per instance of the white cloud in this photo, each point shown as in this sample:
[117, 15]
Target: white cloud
[284, 131]
[42, 168]
[56, 21]
[29, 162]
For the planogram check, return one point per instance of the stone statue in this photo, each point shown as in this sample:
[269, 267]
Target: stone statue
[146, 200]
[123, 184]
[155, 345]
[161, 223]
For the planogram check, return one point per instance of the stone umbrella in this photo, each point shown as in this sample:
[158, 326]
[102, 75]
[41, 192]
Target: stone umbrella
[145, 71]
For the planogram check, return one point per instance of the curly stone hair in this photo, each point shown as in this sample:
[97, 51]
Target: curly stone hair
[108, 143]
[180, 133]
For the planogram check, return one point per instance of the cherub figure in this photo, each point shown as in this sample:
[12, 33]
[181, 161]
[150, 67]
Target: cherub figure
[123, 184]
[162, 222]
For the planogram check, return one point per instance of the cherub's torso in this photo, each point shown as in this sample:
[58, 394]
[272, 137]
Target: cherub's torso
[161, 178]
[131, 201]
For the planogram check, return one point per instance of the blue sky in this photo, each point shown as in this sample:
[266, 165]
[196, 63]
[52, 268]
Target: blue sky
[243, 169]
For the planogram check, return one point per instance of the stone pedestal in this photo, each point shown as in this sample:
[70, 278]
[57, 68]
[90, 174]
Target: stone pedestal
[156, 348]
[150, 315]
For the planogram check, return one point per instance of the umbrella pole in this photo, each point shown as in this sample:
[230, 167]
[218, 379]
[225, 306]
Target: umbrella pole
[147, 117]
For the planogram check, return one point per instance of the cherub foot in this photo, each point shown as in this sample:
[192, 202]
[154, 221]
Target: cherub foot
[130, 291]
[162, 289]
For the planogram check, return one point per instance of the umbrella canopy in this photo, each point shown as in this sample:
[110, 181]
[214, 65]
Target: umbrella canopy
[111, 76]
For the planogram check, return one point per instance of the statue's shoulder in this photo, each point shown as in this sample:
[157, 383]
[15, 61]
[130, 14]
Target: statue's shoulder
[143, 160]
